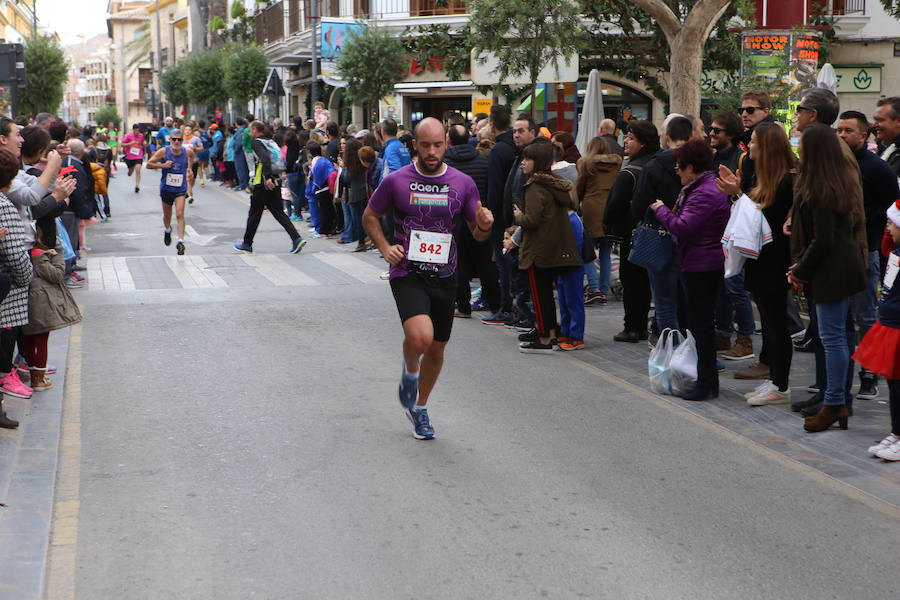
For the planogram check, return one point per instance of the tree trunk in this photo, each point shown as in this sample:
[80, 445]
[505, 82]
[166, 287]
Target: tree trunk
[686, 41]
[534, 100]
[686, 62]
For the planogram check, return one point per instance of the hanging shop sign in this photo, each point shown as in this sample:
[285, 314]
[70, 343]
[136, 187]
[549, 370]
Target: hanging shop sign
[858, 79]
[767, 52]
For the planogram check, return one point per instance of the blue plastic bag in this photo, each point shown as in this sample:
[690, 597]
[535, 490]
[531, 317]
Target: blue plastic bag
[63, 235]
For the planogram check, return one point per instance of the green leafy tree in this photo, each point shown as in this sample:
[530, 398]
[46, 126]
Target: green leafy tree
[174, 83]
[245, 72]
[892, 7]
[525, 35]
[205, 77]
[372, 61]
[108, 113]
[453, 48]
[47, 70]
[626, 40]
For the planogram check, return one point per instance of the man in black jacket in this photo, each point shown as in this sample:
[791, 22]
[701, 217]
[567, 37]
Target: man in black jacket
[473, 257]
[724, 137]
[659, 181]
[501, 160]
[880, 190]
[755, 109]
[887, 128]
[266, 193]
[641, 145]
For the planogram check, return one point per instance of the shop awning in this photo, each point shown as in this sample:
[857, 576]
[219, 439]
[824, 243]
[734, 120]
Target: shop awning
[526, 104]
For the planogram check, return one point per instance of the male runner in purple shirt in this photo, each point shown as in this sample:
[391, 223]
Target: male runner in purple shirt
[425, 196]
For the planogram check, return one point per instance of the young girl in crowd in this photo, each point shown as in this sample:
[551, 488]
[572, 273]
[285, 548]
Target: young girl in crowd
[50, 307]
[879, 351]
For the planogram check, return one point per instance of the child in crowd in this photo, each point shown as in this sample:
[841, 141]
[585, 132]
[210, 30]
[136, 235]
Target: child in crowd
[50, 307]
[100, 171]
[879, 351]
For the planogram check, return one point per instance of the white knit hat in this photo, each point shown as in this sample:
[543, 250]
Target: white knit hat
[893, 213]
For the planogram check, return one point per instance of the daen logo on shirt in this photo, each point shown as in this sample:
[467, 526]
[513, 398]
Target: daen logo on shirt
[429, 188]
[420, 199]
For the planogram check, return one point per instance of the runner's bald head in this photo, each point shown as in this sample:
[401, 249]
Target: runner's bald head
[430, 129]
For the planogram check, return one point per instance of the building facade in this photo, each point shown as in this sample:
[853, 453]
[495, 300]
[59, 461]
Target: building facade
[865, 52]
[284, 30]
[170, 40]
[128, 28]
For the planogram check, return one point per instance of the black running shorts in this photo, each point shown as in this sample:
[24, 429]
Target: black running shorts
[169, 197]
[133, 161]
[418, 294]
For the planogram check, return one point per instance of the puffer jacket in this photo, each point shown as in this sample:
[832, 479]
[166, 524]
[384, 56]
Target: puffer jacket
[697, 222]
[596, 176]
[14, 260]
[100, 179]
[547, 237]
[50, 304]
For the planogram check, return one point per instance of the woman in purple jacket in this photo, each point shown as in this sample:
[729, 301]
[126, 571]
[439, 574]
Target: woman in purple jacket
[697, 223]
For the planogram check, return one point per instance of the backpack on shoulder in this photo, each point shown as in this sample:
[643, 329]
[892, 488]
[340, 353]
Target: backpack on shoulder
[278, 166]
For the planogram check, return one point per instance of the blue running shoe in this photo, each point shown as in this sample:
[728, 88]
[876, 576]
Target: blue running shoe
[720, 366]
[409, 391]
[297, 245]
[243, 248]
[423, 429]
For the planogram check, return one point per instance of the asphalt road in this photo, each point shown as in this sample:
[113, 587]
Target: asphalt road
[240, 437]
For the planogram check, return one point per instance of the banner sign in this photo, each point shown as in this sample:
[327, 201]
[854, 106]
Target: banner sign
[334, 35]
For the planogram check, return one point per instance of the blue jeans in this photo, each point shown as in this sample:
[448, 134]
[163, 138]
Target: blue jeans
[570, 296]
[295, 184]
[839, 341]
[313, 212]
[863, 305]
[349, 226]
[733, 307]
[599, 280]
[243, 172]
[664, 286]
[359, 233]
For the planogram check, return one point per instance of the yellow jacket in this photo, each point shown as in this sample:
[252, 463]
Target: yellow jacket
[100, 178]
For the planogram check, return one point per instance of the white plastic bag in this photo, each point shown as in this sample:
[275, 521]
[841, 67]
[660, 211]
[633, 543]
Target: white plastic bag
[660, 357]
[683, 367]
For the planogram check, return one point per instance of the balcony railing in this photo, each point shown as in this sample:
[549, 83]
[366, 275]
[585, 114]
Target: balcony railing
[270, 21]
[840, 8]
[270, 24]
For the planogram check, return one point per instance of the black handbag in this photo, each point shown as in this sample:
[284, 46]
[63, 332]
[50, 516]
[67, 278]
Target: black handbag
[652, 247]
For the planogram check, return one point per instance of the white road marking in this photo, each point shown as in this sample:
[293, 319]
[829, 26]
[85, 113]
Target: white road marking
[351, 265]
[277, 271]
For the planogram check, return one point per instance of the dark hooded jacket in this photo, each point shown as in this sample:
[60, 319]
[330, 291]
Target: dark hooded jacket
[658, 181]
[473, 163]
[547, 237]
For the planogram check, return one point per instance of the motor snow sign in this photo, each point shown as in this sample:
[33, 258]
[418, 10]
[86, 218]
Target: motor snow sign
[858, 79]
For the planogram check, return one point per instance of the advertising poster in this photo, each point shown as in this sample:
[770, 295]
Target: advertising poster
[334, 35]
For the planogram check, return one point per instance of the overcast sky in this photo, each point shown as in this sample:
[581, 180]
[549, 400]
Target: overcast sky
[70, 18]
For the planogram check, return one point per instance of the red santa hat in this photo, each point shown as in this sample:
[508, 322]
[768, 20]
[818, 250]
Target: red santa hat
[893, 213]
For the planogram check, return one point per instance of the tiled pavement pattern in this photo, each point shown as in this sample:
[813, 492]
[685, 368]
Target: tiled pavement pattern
[839, 454]
[192, 271]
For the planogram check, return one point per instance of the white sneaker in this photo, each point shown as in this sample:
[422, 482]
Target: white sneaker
[892, 452]
[890, 440]
[773, 396]
[763, 388]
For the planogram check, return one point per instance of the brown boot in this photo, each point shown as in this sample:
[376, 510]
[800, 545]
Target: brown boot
[826, 417]
[39, 380]
[723, 342]
[754, 371]
[742, 349]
